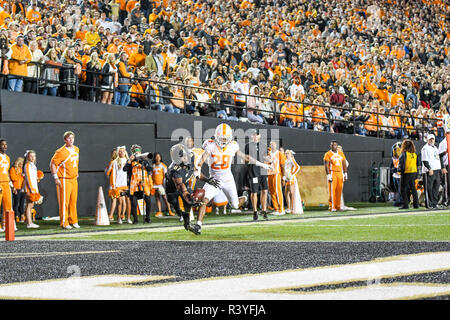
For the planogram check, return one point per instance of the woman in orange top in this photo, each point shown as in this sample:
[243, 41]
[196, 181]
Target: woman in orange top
[16, 175]
[158, 176]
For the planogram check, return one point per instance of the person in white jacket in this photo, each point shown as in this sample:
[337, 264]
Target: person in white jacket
[34, 68]
[293, 198]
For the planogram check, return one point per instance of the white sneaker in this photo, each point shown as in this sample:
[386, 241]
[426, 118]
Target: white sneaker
[68, 227]
[333, 210]
[181, 219]
[1, 230]
[76, 226]
[119, 221]
[129, 221]
[288, 210]
[32, 226]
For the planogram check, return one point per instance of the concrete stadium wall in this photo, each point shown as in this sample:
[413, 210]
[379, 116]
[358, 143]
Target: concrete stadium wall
[37, 122]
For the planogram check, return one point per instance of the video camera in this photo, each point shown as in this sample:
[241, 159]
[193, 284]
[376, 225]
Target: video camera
[144, 156]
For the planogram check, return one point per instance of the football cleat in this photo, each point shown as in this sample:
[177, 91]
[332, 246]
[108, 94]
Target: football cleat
[196, 229]
[186, 221]
[223, 135]
[255, 216]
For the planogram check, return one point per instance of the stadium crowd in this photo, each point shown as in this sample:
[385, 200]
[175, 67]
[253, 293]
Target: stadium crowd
[376, 68]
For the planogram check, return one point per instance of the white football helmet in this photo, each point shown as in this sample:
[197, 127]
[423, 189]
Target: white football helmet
[223, 135]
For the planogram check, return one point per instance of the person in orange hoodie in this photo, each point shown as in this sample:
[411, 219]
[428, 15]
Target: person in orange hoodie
[16, 175]
[18, 64]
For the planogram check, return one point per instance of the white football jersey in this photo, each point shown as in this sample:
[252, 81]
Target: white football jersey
[220, 159]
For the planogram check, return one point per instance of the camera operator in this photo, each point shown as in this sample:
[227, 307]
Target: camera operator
[139, 170]
[5, 54]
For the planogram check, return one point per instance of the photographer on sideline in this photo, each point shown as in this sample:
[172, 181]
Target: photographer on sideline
[139, 170]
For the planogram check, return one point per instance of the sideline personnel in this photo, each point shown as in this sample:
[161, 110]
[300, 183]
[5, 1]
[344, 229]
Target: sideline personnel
[431, 172]
[64, 169]
[336, 170]
[258, 178]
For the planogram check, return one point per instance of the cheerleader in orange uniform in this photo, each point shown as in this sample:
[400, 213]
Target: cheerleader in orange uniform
[119, 184]
[30, 172]
[16, 175]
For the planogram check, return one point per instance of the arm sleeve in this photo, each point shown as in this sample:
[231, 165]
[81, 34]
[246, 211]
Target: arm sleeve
[426, 164]
[401, 163]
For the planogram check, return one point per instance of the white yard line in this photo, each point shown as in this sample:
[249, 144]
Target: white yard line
[233, 224]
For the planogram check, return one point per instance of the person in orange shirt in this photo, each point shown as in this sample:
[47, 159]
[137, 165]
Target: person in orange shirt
[397, 97]
[137, 59]
[33, 15]
[5, 182]
[158, 177]
[16, 175]
[18, 64]
[64, 168]
[276, 160]
[319, 119]
[371, 125]
[289, 115]
[336, 170]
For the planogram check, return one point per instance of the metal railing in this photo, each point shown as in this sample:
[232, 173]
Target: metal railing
[308, 120]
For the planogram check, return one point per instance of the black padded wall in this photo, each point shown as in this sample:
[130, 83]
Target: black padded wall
[30, 121]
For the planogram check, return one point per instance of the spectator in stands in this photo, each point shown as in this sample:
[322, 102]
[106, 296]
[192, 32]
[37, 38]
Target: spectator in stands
[93, 69]
[50, 75]
[69, 73]
[33, 70]
[124, 80]
[18, 63]
[254, 105]
[109, 79]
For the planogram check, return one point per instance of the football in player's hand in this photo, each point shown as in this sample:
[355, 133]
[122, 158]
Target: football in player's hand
[198, 195]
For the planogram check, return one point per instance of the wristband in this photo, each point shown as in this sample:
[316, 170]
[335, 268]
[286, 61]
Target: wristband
[55, 176]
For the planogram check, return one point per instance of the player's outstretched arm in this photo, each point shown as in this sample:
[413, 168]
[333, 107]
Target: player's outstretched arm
[251, 160]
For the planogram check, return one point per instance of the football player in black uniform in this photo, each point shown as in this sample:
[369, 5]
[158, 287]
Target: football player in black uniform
[178, 175]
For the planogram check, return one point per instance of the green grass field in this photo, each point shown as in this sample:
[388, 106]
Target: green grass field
[370, 222]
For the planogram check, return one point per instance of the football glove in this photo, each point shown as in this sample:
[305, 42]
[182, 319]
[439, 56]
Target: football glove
[214, 182]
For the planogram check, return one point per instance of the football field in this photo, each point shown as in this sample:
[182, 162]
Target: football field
[374, 252]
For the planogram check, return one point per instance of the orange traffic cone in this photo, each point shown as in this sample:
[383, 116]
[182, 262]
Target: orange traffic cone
[101, 215]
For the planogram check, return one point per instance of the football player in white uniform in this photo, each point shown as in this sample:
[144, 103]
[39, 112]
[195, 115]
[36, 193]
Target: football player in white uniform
[219, 154]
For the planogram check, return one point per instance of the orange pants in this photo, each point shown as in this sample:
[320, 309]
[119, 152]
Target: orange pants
[335, 190]
[5, 199]
[276, 192]
[67, 201]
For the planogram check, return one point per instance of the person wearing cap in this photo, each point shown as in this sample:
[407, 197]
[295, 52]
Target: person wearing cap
[431, 167]
[257, 176]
